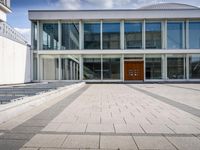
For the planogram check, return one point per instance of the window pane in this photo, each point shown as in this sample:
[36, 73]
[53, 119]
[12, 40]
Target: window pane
[92, 36]
[175, 35]
[133, 35]
[70, 36]
[175, 68]
[70, 68]
[50, 69]
[153, 68]
[92, 68]
[111, 68]
[50, 36]
[153, 36]
[194, 64]
[111, 35]
[35, 35]
[194, 35]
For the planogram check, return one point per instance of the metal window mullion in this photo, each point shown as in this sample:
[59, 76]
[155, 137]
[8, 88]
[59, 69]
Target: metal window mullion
[122, 34]
[59, 35]
[101, 35]
[144, 34]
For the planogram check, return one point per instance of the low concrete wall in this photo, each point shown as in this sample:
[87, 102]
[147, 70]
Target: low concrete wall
[13, 109]
[15, 62]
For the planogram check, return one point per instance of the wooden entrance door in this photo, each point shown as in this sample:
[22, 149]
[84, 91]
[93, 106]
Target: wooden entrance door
[134, 70]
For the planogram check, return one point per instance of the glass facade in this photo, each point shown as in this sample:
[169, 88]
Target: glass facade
[133, 35]
[92, 68]
[50, 36]
[70, 68]
[70, 36]
[153, 67]
[194, 67]
[175, 68]
[50, 69]
[111, 68]
[111, 35]
[35, 34]
[175, 35]
[194, 35]
[92, 36]
[153, 35]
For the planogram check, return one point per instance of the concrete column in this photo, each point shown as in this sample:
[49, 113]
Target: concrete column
[60, 68]
[59, 35]
[80, 68]
[38, 36]
[122, 34]
[81, 35]
[143, 35]
[101, 34]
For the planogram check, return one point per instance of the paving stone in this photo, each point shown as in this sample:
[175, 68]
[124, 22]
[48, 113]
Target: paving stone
[46, 140]
[100, 128]
[11, 144]
[153, 142]
[185, 129]
[66, 127]
[17, 136]
[185, 143]
[128, 128]
[51, 127]
[117, 142]
[156, 129]
[29, 149]
[81, 141]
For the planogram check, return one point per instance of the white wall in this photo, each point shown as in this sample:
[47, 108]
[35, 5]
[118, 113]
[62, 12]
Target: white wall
[2, 15]
[15, 62]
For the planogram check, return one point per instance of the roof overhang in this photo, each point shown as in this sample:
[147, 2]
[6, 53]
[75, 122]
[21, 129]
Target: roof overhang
[112, 14]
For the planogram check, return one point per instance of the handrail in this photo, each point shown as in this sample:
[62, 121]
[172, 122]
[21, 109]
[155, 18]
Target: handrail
[9, 32]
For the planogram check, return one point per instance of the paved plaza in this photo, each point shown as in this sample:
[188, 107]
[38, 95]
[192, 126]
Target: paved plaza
[111, 117]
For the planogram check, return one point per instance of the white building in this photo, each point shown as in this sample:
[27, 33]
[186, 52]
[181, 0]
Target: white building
[15, 54]
[154, 43]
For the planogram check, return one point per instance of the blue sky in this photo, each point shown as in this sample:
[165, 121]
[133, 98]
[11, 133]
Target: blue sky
[19, 16]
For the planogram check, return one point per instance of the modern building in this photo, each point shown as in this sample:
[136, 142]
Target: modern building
[154, 43]
[15, 54]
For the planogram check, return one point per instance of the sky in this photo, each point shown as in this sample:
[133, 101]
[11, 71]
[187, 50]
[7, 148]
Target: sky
[19, 16]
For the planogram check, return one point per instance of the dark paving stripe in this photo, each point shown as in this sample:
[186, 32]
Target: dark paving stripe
[118, 134]
[181, 106]
[183, 87]
[17, 137]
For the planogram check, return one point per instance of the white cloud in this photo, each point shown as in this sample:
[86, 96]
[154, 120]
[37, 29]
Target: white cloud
[104, 4]
[26, 32]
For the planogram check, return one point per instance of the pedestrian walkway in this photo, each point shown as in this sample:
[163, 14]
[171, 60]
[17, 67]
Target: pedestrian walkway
[112, 117]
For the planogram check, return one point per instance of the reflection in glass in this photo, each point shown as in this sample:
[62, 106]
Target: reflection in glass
[111, 68]
[50, 69]
[35, 34]
[91, 35]
[91, 68]
[133, 35]
[175, 68]
[50, 36]
[194, 35]
[153, 68]
[70, 36]
[153, 36]
[175, 35]
[111, 35]
[194, 67]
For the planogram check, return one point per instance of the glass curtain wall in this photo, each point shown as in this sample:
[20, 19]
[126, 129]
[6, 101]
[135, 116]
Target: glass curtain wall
[70, 36]
[35, 34]
[92, 68]
[111, 68]
[133, 35]
[92, 36]
[194, 67]
[194, 35]
[153, 35]
[175, 35]
[153, 67]
[175, 68]
[50, 69]
[70, 67]
[50, 36]
[111, 35]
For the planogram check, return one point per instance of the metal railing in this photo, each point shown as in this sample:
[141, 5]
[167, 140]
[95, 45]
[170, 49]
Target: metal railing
[10, 33]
